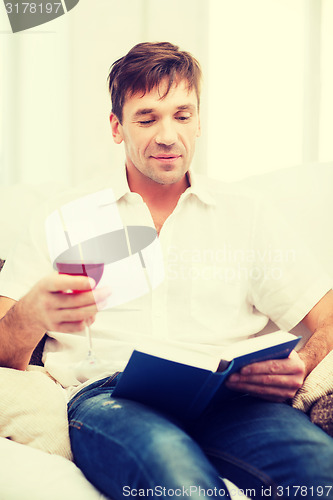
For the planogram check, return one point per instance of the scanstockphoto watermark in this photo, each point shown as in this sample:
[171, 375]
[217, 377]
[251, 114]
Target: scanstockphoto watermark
[162, 491]
[232, 492]
[228, 264]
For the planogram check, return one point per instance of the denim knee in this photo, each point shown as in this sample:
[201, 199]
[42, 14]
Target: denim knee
[121, 444]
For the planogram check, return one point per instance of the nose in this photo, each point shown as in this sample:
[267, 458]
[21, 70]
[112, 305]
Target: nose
[166, 134]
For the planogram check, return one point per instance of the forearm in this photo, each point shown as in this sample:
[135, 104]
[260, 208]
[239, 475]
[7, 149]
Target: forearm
[46, 307]
[320, 322]
[19, 336]
[317, 347]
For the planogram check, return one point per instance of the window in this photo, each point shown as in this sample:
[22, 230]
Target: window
[270, 101]
[326, 109]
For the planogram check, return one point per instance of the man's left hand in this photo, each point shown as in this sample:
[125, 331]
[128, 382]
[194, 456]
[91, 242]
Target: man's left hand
[275, 380]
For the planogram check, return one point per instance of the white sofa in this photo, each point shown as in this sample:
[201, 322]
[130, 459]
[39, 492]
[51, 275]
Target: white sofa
[302, 194]
[27, 473]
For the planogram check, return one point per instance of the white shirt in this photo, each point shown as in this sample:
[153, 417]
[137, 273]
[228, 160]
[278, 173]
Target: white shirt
[229, 263]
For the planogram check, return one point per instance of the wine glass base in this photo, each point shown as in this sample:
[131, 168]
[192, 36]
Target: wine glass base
[88, 368]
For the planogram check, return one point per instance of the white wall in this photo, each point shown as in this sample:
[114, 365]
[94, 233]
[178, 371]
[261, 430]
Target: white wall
[35, 121]
[55, 119]
[262, 84]
[98, 41]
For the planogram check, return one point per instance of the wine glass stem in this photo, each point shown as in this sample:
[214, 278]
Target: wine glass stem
[88, 337]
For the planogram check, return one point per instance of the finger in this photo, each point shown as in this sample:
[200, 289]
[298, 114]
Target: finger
[273, 393]
[101, 296]
[76, 315]
[74, 300]
[274, 367]
[72, 327]
[62, 282]
[90, 320]
[293, 382]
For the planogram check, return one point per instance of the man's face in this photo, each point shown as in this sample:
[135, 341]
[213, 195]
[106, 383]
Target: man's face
[159, 134]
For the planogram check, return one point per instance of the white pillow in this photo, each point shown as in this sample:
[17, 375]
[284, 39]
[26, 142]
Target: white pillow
[33, 411]
[30, 474]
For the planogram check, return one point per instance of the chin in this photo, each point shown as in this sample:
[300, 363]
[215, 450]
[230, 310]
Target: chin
[168, 179]
[170, 176]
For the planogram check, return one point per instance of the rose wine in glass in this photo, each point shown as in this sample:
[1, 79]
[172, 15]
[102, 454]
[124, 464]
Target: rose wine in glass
[90, 364]
[92, 270]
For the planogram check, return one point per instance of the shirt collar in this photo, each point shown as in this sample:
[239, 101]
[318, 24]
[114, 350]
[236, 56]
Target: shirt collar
[118, 182]
[197, 186]
[199, 189]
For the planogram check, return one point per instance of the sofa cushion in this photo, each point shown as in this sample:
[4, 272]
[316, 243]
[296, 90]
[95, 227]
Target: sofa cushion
[322, 413]
[33, 411]
[30, 474]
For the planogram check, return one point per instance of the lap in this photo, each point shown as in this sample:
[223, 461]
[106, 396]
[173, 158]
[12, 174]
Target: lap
[121, 446]
[273, 438]
[255, 444]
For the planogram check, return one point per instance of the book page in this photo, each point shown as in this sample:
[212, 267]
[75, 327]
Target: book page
[256, 344]
[193, 355]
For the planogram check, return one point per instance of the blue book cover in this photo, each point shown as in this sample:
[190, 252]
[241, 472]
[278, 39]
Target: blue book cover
[185, 391]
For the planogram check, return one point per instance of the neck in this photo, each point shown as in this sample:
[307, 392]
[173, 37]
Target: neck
[154, 193]
[161, 199]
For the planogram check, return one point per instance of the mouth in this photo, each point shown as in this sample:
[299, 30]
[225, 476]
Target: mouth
[166, 158]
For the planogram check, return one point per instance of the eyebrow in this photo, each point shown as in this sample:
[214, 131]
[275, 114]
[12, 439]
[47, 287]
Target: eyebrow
[142, 112]
[186, 107]
[148, 111]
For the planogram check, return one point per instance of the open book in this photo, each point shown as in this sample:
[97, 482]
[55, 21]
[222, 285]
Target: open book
[172, 385]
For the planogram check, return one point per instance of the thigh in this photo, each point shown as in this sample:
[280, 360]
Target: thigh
[125, 448]
[284, 449]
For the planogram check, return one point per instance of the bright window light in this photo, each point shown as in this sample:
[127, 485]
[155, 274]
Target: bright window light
[255, 104]
[326, 111]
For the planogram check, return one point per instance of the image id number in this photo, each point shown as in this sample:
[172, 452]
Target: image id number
[304, 491]
[32, 8]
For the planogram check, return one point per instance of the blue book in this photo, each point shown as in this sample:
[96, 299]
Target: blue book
[184, 390]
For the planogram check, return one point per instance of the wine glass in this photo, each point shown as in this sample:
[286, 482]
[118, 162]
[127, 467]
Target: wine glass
[90, 365]
[87, 237]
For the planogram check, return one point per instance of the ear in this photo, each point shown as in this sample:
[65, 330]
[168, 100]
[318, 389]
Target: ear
[116, 129]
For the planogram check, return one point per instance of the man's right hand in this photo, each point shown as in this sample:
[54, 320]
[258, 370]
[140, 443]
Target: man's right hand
[49, 305]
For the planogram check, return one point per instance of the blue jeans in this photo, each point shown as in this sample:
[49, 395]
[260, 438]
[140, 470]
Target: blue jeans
[269, 450]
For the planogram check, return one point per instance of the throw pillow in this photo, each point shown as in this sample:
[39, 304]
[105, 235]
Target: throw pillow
[322, 413]
[33, 410]
[315, 397]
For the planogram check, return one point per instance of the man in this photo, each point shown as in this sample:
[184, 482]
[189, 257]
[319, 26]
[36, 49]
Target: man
[218, 289]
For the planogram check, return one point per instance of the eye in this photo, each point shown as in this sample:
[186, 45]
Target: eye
[146, 122]
[183, 117]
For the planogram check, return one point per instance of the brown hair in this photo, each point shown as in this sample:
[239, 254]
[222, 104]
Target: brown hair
[143, 68]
